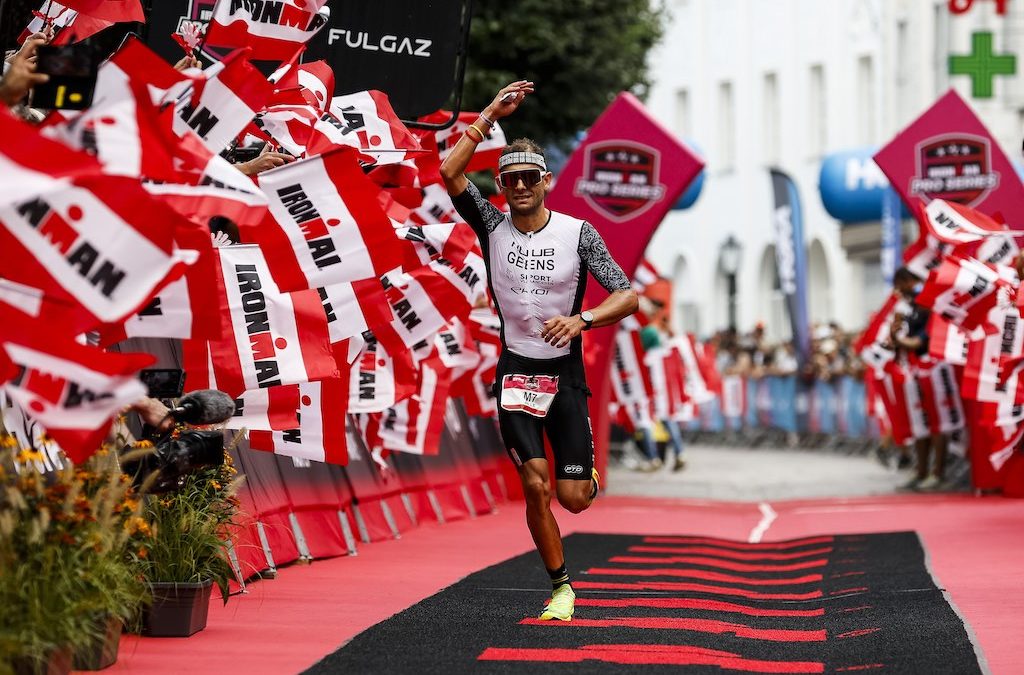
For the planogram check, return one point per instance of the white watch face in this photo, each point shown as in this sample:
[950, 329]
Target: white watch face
[587, 317]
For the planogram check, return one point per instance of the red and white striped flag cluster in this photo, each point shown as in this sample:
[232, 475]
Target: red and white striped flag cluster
[352, 288]
[971, 374]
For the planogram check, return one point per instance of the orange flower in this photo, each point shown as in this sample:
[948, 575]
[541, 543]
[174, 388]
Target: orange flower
[144, 443]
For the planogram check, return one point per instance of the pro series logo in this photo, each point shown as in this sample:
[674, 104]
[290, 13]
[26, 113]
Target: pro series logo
[954, 167]
[620, 179]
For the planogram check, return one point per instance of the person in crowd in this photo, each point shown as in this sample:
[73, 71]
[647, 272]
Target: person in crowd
[20, 75]
[909, 334]
[537, 263]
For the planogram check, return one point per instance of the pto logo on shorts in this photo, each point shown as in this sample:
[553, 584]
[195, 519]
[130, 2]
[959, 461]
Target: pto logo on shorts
[572, 469]
[620, 179]
[954, 167]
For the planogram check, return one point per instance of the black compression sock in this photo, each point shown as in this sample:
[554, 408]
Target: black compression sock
[559, 577]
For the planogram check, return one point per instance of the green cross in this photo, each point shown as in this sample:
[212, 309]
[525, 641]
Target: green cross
[982, 65]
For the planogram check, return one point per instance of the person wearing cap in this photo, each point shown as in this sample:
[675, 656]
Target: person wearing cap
[537, 265]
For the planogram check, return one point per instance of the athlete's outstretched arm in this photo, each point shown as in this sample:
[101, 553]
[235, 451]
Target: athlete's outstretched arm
[453, 168]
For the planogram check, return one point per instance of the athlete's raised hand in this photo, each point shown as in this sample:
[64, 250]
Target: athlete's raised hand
[560, 330]
[508, 99]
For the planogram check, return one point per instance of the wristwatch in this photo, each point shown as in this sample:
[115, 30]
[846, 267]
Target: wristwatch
[588, 319]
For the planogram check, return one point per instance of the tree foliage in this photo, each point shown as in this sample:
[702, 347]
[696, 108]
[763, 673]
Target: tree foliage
[580, 54]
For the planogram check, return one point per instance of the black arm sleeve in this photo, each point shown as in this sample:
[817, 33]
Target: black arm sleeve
[595, 254]
[481, 215]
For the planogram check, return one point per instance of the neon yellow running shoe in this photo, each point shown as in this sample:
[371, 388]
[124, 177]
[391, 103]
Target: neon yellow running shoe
[563, 602]
[597, 483]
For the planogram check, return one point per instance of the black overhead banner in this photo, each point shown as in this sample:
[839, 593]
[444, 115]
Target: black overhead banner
[412, 50]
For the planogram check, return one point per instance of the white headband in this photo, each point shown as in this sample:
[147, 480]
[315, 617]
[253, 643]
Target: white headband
[522, 158]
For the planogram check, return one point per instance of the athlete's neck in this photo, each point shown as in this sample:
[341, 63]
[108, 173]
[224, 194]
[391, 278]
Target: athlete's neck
[531, 222]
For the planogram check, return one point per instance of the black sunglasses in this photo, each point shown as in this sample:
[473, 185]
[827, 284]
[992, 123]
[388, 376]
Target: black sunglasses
[509, 179]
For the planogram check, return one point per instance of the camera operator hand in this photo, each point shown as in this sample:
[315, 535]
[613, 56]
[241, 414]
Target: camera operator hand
[153, 412]
[22, 75]
[266, 161]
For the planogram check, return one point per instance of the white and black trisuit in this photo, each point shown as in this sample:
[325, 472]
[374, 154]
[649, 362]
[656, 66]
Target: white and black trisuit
[534, 277]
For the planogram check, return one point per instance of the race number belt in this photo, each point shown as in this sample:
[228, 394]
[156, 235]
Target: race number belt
[531, 394]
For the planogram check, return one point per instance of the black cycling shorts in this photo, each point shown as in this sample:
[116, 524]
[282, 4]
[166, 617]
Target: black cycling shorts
[567, 422]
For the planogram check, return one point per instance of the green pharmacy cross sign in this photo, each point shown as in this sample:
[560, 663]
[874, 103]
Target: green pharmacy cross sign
[982, 65]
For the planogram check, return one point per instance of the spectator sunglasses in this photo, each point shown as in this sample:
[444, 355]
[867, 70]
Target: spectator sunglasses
[509, 179]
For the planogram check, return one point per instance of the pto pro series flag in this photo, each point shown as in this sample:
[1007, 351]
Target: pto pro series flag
[274, 29]
[327, 226]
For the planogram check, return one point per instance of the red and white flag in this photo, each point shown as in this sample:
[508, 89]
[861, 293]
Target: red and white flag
[987, 359]
[962, 290]
[320, 436]
[378, 379]
[51, 14]
[273, 29]
[415, 424]
[314, 81]
[698, 390]
[476, 387]
[272, 338]
[225, 100]
[644, 276]
[327, 227]
[289, 126]
[354, 308]
[366, 121]
[101, 243]
[424, 243]
[947, 342]
[435, 207]
[72, 390]
[268, 409]
[117, 11]
[956, 224]
[486, 153]
[631, 379]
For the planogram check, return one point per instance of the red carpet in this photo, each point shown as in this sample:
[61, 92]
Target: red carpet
[287, 624]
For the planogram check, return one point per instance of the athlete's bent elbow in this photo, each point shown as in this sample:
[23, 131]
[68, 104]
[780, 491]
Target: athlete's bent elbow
[632, 303]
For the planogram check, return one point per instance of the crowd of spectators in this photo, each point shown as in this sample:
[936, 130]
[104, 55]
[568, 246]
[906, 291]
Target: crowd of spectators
[753, 355]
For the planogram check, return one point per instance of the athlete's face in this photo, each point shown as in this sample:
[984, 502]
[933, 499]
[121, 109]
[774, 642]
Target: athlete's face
[524, 196]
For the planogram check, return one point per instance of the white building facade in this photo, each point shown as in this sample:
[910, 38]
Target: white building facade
[754, 84]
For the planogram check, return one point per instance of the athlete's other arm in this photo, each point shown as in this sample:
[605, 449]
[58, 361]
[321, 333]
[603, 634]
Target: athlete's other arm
[453, 168]
[620, 303]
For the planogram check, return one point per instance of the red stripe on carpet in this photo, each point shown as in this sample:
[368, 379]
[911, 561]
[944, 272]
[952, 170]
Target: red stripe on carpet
[721, 564]
[706, 576]
[652, 655]
[732, 555]
[696, 625]
[738, 545]
[690, 603]
[696, 588]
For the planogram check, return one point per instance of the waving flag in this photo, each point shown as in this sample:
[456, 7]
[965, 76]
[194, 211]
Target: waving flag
[415, 424]
[274, 29]
[364, 120]
[962, 290]
[436, 207]
[315, 82]
[424, 243]
[320, 436]
[226, 99]
[486, 153]
[378, 379]
[74, 391]
[354, 308]
[57, 15]
[476, 387]
[272, 338]
[117, 11]
[327, 227]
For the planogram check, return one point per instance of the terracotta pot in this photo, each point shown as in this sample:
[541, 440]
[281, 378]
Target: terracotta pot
[178, 609]
[102, 653]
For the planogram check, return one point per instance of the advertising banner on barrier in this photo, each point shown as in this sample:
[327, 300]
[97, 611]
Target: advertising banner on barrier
[622, 179]
[947, 153]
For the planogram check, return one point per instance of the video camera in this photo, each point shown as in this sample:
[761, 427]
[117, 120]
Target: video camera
[175, 456]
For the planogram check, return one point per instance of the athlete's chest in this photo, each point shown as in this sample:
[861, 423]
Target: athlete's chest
[539, 264]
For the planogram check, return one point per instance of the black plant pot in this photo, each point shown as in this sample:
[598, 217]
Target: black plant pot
[178, 609]
[102, 652]
[58, 662]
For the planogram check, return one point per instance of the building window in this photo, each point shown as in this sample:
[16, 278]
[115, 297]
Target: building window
[726, 127]
[866, 101]
[817, 131]
[771, 131]
[682, 114]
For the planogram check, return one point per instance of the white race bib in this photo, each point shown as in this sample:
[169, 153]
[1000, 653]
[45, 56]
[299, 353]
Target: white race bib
[531, 394]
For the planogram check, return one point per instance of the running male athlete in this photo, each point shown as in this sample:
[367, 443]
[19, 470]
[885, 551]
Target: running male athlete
[537, 264]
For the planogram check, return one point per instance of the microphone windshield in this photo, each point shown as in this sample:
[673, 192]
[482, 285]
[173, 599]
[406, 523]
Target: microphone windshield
[205, 406]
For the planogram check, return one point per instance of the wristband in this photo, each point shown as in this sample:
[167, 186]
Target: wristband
[487, 120]
[477, 129]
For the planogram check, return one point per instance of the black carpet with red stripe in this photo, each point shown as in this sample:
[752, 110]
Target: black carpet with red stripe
[827, 604]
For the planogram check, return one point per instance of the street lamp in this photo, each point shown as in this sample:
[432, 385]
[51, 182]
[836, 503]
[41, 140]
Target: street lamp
[729, 263]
